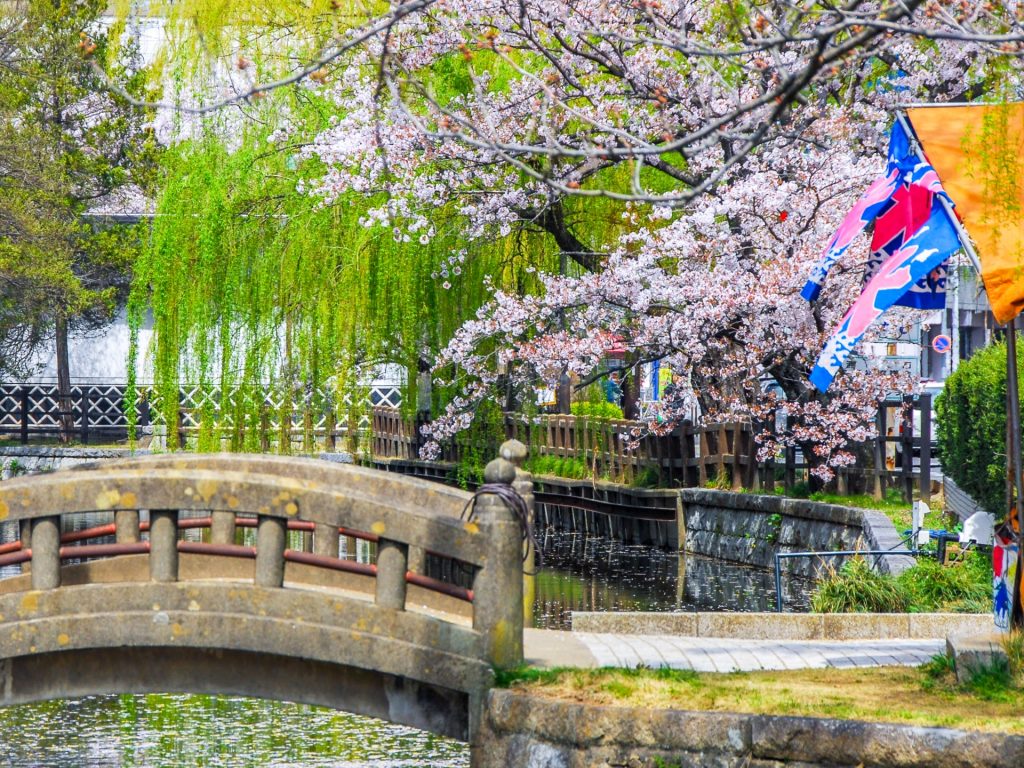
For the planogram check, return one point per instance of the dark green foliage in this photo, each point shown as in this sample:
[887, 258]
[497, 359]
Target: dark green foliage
[648, 477]
[940, 665]
[65, 144]
[971, 413]
[800, 490]
[992, 682]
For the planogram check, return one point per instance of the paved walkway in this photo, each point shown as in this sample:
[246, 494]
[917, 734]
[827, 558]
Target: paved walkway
[545, 648]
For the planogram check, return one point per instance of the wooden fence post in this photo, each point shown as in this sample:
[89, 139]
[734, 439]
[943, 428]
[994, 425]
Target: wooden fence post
[907, 446]
[769, 462]
[879, 453]
[330, 424]
[85, 415]
[24, 415]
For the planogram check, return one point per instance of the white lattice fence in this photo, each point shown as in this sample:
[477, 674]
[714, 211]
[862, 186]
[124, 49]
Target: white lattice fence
[34, 409]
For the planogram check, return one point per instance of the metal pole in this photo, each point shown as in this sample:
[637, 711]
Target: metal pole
[1014, 454]
[954, 285]
[778, 583]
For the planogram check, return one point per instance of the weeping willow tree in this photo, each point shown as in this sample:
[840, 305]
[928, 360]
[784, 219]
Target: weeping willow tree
[256, 287]
[260, 292]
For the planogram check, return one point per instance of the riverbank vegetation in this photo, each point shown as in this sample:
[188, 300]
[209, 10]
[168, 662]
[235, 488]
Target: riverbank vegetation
[963, 586]
[925, 696]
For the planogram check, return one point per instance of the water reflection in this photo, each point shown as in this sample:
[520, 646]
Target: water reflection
[584, 573]
[215, 731]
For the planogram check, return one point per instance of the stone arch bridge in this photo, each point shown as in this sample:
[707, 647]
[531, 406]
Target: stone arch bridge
[132, 606]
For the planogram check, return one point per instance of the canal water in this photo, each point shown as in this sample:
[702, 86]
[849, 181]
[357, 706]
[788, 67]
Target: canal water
[583, 573]
[172, 731]
[580, 574]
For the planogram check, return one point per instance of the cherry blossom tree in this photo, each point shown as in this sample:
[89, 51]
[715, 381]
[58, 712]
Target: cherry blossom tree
[727, 137]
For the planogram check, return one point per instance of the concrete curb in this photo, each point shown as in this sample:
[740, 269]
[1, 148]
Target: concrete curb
[787, 626]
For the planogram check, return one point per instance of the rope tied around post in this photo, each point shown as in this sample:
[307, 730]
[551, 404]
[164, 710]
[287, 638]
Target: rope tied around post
[517, 504]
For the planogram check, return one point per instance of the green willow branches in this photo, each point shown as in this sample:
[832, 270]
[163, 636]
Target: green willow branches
[255, 287]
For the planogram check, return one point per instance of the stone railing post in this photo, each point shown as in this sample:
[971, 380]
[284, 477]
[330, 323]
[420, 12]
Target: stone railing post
[222, 526]
[126, 526]
[46, 552]
[392, 564]
[498, 586]
[271, 537]
[163, 545]
[325, 540]
[515, 452]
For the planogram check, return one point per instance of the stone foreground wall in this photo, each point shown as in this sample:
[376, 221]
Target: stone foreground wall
[523, 731]
[750, 528]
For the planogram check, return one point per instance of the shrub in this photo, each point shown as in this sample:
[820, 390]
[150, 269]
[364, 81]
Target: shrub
[574, 469]
[971, 425]
[648, 477]
[596, 409]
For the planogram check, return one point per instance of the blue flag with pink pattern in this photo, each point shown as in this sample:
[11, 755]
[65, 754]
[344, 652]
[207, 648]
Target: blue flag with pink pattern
[928, 248]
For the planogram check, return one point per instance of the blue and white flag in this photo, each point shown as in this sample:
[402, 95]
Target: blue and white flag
[927, 249]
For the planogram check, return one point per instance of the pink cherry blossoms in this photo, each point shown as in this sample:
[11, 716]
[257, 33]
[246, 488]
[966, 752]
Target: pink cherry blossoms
[735, 136]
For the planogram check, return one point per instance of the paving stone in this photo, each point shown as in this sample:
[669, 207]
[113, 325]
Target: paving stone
[726, 655]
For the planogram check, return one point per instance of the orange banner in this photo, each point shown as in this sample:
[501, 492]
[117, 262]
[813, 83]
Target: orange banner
[978, 152]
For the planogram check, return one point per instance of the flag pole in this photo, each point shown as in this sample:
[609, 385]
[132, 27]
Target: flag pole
[1014, 451]
[1013, 448]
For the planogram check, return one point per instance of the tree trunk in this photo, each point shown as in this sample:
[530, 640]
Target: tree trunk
[67, 419]
[631, 394]
[563, 394]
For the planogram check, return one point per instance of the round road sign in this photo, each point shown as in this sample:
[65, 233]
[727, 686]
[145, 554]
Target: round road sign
[942, 343]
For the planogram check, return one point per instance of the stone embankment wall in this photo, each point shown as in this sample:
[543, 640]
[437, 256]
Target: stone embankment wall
[750, 528]
[21, 460]
[24, 459]
[523, 731]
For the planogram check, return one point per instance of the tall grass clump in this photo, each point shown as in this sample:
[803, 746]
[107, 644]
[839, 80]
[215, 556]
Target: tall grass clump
[963, 586]
[856, 588]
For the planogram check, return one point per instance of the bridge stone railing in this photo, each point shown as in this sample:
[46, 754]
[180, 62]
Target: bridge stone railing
[151, 589]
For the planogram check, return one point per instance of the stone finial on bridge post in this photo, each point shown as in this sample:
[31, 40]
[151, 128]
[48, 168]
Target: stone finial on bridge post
[498, 586]
[515, 452]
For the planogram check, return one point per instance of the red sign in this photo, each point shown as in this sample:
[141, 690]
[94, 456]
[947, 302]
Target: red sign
[942, 343]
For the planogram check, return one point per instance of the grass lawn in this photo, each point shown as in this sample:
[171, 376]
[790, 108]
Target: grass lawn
[893, 506]
[927, 696]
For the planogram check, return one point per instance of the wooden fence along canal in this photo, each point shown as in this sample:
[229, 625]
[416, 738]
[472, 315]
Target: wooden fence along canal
[689, 456]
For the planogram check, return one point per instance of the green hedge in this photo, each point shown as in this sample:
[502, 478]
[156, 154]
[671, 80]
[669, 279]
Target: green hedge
[971, 418]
